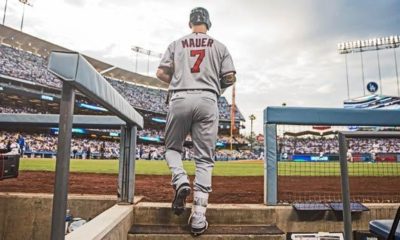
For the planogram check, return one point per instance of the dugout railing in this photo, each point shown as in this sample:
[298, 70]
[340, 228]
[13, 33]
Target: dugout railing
[274, 116]
[277, 116]
[77, 74]
[343, 136]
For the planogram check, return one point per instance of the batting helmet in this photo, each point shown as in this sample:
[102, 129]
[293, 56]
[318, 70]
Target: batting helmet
[200, 15]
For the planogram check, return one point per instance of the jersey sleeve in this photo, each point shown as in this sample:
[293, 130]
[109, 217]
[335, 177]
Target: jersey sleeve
[227, 64]
[167, 61]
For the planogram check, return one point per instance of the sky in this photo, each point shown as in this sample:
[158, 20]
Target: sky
[284, 51]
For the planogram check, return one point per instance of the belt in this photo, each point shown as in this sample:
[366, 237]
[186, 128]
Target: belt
[169, 95]
[187, 90]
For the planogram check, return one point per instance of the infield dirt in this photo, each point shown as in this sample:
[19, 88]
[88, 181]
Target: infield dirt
[156, 188]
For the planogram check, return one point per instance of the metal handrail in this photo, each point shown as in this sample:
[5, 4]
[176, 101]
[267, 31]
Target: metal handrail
[345, 173]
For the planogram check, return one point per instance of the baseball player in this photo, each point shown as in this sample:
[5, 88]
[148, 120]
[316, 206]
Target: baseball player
[198, 69]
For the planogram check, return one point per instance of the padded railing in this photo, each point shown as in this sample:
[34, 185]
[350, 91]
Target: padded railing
[322, 116]
[76, 73]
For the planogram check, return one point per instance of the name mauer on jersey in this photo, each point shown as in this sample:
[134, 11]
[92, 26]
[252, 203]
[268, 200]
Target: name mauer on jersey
[198, 42]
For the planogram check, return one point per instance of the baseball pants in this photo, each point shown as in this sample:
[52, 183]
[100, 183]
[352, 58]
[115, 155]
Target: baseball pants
[195, 112]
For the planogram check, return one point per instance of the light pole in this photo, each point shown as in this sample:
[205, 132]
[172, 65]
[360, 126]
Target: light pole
[148, 62]
[5, 10]
[145, 52]
[24, 2]
[136, 61]
[347, 77]
[362, 70]
[379, 70]
[252, 118]
[397, 73]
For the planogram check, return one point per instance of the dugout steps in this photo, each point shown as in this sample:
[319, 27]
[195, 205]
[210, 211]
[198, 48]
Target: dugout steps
[148, 213]
[227, 221]
[149, 220]
[213, 232]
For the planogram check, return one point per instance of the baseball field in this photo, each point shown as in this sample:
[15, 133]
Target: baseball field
[233, 182]
[145, 167]
[231, 168]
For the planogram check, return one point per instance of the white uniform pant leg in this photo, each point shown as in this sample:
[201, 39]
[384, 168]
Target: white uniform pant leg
[204, 135]
[177, 128]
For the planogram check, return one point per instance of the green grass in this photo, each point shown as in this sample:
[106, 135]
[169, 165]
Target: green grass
[241, 168]
[142, 167]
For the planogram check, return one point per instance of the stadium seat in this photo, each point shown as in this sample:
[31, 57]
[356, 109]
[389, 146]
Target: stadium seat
[389, 229]
[311, 206]
[354, 207]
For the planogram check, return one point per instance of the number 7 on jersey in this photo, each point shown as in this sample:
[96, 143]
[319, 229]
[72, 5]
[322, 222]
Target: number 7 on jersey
[201, 53]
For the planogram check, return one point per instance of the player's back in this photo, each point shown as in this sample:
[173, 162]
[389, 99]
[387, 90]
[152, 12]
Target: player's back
[199, 62]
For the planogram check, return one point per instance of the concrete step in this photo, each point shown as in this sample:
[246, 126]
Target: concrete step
[230, 232]
[222, 214]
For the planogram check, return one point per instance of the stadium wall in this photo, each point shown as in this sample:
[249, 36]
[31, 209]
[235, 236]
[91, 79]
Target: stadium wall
[28, 216]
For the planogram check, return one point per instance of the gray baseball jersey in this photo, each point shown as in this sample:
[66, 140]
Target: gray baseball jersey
[198, 62]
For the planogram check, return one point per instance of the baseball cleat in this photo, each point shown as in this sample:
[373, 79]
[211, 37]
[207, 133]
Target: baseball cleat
[198, 231]
[198, 223]
[178, 205]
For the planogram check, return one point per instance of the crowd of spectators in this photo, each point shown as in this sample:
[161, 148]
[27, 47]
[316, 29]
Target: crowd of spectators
[87, 148]
[141, 97]
[27, 66]
[150, 133]
[82, 148]
[312, 145]
[227, 140]
[4, 109]
[225, 110]
[30, 67]
[154, 99]
[153, 133]
[99, 148]
[225, 155]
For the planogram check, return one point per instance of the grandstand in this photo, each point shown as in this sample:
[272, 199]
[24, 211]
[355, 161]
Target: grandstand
[373, 102]
[26, 86]
[320, 143]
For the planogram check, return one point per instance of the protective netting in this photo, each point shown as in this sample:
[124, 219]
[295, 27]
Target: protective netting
[309, 168]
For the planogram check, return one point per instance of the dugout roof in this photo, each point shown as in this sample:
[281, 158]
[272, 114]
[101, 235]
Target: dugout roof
[52, 120]
[26, 42]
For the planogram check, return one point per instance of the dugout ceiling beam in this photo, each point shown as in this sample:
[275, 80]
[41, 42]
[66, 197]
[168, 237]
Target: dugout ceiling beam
[331, 116]
[52, 120]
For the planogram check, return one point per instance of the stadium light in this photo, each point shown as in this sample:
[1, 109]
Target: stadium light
[372, 44]
[145, 52]
[24, 2]
[369, 44]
